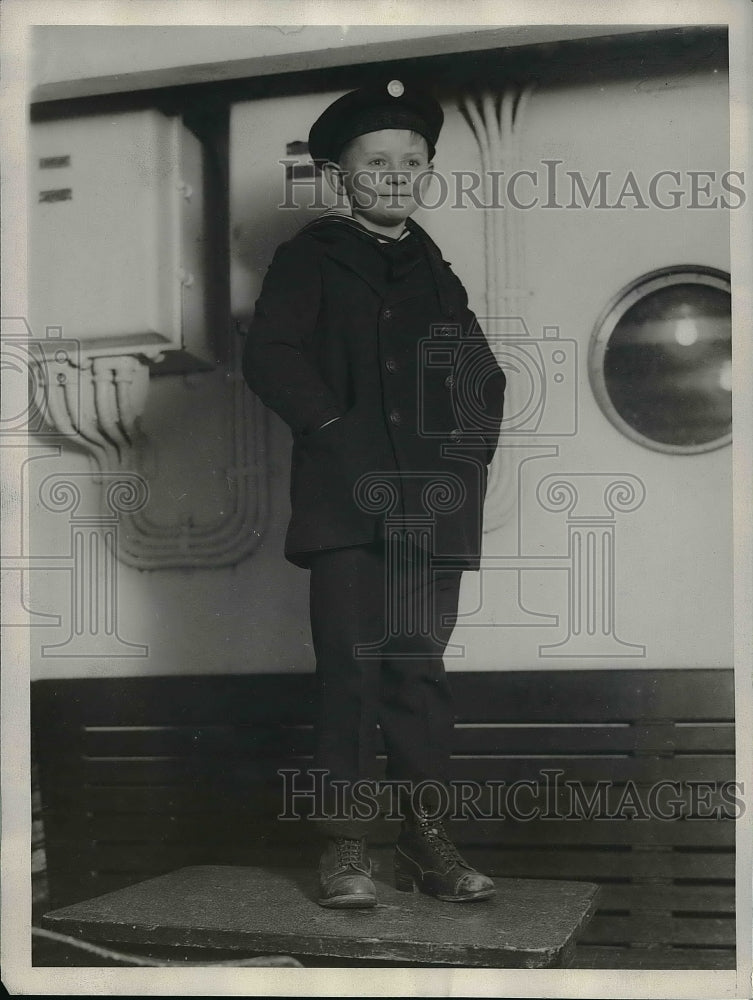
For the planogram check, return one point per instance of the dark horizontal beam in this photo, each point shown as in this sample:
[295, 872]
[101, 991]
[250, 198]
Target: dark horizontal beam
[550, 55]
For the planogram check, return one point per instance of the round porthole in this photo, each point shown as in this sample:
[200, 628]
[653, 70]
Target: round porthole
[660, 361]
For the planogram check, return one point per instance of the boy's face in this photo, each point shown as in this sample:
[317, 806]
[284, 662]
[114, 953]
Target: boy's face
[383, 174]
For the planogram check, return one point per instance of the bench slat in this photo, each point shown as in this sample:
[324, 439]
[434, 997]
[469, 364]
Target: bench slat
[547, 696]
[604, 957]
[668, 898]
[647, 929]
[614, 769]
[604, 863]
[272, 740]
[596, 696]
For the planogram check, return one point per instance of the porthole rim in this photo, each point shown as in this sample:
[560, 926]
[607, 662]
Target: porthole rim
[604, 327]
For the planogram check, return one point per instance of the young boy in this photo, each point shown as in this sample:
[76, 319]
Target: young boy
[363, 343]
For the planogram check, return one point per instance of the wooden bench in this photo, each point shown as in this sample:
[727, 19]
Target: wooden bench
[143, 776]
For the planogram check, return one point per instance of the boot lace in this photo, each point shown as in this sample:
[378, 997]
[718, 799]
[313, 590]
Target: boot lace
[433, 830]
[349, 851]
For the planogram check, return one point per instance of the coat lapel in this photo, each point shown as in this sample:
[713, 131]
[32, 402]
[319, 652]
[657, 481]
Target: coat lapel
[342, 241]
[363, 260]
[437, 264]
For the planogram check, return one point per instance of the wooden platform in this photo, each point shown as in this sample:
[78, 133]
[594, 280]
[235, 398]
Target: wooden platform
[141, 776]
[530, 924]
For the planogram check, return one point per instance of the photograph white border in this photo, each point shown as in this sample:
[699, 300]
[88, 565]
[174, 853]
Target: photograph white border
[16, 19]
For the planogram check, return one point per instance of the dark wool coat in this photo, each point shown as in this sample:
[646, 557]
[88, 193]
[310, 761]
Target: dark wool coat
[380, 336]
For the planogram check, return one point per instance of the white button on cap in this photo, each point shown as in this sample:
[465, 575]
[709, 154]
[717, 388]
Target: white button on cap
[395, 88]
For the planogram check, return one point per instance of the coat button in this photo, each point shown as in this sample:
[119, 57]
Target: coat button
[395, 417]
[450, 381]
[387, 314]
[391, 365]
[456, 435]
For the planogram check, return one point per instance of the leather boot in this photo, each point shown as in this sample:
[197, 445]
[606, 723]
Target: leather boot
[344, 871]
[426, 857]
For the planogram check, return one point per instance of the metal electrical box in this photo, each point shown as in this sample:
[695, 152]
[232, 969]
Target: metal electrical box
[117, 241]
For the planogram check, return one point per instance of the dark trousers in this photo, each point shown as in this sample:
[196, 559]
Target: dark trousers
[406, 613]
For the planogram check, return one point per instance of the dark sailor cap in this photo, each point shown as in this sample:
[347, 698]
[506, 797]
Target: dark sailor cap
[390, 104]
